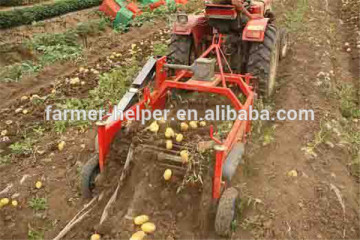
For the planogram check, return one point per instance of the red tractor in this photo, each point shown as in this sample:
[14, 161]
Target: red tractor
[232, 47]
[250, 41]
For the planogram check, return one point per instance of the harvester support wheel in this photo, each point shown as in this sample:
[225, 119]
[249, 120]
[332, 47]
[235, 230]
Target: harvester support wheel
[182, 49]
[89, 173]
[226, 212]
[263, 61]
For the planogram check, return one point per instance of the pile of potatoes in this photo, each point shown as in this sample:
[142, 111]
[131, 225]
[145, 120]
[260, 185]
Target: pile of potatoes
[170, 134]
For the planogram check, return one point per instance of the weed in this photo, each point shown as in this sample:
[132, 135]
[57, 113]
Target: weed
[160, 49]
[5, 160]
[24, 147]
[39, 130]
[269, 135]
[38, 203]
[320, 137]
[60, 126]
[348, 104]
[13, 73]
[112, 86]
[35, 235]
[294, 19]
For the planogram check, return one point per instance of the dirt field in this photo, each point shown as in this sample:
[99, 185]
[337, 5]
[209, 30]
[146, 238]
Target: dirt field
[321, 73]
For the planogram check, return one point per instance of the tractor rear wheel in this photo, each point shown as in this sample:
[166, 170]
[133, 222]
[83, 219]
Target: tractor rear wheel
[263, 61]
[89, 172]
[182, 49]
[226, 212]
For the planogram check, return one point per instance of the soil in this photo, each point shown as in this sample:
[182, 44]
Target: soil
[322, 202]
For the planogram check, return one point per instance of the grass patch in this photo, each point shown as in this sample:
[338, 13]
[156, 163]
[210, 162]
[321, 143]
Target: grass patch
[22, 147]
[160, 49]
[348, 101]
[35, 235]
[38, 204]
[4, 160]
[294, 20]
[111, 87]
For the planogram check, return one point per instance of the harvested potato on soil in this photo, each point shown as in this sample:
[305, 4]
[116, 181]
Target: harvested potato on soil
[193, 124]
[169, 144]
[179, 137]
[61, 145]
[169, 133]
[95, 237]
[14, 203]
[4, 201]
[184, 126]
[148, 227]
[38, 184]
[202, 123]
[184, 156]
[139, 220]
[139, 235]
[167, 174]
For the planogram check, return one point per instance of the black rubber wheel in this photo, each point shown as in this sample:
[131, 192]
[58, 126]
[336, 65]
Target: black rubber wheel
[263, 61]
[284, 42]
[226, 212]
[181, 49]
[89, 173]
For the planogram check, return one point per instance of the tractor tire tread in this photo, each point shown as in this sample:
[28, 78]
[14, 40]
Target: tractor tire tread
[180, 49]
[90, 167]
[259, 62]
[226, 212]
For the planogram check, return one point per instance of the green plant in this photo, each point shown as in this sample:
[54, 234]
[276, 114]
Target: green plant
[42, 11]
[60, 126]
[13, 73]
[5, 160]
[294, 19]
[56, 47]
[39, 130]
[348, 101]
[38, 203]
[160, 49]
[35, 235]
[24, 147]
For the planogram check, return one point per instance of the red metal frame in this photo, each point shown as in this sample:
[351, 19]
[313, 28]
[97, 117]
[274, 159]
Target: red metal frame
[164, 83]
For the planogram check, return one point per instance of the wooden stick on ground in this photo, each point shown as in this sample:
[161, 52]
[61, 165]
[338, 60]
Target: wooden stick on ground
[129, 157]
[78, 217]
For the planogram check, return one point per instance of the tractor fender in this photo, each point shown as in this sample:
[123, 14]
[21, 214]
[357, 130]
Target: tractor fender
[232, 161]
[196, 26]
[254, 30]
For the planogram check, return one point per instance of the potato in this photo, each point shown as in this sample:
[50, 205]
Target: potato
[184, 156]
[139, 220]
[148, 227]
[169, 133]
[139, 235]
[4, 201]
[14, 203]
[179, 137]
[184, 127]
[169, 144]
[38, 184]
[193, 124]
[61, 145]
[167, 174]
[154, 127]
